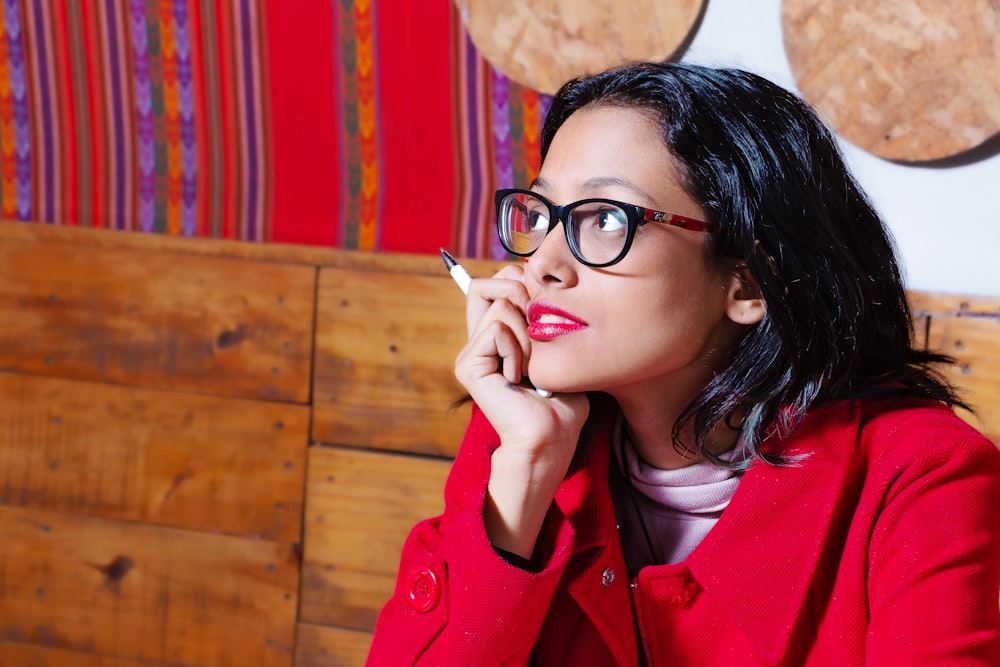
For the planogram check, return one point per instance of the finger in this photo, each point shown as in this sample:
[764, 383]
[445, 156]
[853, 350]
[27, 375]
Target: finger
[511, 355]
[495, 349]
[506, 284]
[513, 319]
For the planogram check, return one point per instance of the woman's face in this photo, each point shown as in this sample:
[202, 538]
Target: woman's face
[654, 324]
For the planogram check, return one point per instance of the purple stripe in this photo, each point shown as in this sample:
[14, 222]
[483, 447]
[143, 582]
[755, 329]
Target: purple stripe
[501, 144]
[144, 118]
[501, 129]
[251, 126]
[48, 153]
[475, 186]
[544, 104]
[185, 89]
[22, 125]
[118, 124]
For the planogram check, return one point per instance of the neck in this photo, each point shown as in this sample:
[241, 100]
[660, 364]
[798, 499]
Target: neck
[649, 427]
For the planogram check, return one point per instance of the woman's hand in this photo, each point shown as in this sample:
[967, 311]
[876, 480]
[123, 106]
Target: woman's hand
[538, 436]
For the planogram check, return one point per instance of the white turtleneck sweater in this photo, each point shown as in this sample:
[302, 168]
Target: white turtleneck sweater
[678, 507]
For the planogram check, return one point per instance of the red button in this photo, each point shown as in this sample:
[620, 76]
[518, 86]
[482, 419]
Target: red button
[423, 590]
[679, 590]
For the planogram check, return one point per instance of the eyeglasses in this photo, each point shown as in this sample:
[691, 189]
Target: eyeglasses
[599, 232]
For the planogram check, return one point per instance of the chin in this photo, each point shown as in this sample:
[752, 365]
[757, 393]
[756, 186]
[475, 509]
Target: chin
[556, 383]
[558, 372]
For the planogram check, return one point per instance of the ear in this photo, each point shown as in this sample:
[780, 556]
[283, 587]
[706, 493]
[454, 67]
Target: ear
[744, 303]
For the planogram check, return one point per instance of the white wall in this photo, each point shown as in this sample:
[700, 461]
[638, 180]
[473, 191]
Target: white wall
[946, 221]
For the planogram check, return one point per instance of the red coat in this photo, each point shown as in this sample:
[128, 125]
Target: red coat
[880, 548]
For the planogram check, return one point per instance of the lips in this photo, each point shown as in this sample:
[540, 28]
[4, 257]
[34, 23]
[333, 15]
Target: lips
[546, 322]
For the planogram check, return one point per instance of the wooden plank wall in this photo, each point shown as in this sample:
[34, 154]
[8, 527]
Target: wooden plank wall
[154, 420]
[968, 329]
[211, 452]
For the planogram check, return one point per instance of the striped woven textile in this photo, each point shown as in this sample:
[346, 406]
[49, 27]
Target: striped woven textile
[136, 115]
[367, 124]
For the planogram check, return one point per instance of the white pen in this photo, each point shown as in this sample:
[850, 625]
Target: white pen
[463, 280]
[457, 271]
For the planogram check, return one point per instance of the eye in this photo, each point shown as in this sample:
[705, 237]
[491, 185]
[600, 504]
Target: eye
[538, 219]
[609, 219]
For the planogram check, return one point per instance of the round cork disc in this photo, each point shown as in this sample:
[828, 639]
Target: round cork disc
[907, 80]
[543, 43]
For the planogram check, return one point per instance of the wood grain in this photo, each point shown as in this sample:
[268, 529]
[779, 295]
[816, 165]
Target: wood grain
[384, 369]
[360, 506]
[90, 238]
[206, 463]
[955, 305]
[974, 342]
[904, 79]
[543, 43]
[145, 593]
[142, 317]
[27, 655]
[322, 646]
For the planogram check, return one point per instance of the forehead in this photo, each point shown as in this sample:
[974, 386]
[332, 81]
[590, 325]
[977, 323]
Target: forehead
[607, 151]
[607, 124]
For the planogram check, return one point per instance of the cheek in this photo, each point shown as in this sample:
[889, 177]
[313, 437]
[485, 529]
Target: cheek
[679, 279]
[657, 317]
[683, 307]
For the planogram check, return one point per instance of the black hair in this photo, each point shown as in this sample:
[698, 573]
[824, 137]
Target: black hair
[765, 167]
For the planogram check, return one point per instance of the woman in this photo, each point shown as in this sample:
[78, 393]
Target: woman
[744, 460]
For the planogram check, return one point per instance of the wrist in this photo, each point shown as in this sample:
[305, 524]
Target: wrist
[518, 499]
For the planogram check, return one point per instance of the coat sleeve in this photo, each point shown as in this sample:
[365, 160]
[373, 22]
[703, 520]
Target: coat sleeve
[456, 601]
[934, 579]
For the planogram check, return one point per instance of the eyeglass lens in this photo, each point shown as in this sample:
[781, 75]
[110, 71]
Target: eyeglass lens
[598, 231]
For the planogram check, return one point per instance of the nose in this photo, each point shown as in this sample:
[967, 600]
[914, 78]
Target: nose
[553, 262]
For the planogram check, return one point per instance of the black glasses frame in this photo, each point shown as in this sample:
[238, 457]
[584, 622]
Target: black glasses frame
[637, 216]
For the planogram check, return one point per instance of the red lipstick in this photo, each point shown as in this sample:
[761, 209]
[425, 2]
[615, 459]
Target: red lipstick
[547, 322]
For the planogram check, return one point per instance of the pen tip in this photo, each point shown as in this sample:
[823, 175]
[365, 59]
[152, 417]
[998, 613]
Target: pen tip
[448, 259]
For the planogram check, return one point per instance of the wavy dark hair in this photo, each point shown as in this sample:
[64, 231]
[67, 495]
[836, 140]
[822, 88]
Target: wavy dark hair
[765, 167]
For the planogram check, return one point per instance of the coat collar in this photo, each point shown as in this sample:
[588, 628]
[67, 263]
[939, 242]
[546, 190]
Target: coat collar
[774, 529]
[760, 560]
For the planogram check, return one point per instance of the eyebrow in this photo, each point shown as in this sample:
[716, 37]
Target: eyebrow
[598, 182]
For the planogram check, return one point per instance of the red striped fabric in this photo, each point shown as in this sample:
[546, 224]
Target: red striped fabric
[303, 102]
[147, 115]
[370, 124]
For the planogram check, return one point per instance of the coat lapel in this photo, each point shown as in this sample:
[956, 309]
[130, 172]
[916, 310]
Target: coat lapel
[759, 561]
[585, 500]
